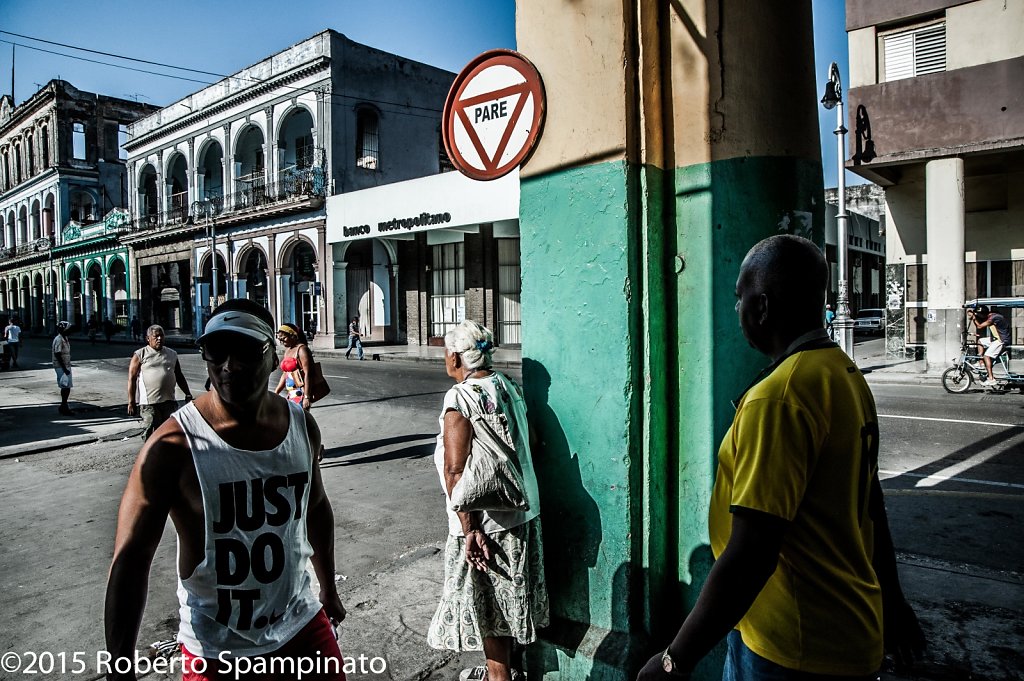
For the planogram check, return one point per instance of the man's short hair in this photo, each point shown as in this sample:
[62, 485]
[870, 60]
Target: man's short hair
[792, 270]
[153, 328]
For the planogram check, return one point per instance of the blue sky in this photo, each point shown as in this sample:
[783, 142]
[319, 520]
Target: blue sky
[225, 36]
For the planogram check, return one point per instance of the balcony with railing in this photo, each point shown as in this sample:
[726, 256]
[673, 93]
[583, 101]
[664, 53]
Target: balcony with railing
[295, 188]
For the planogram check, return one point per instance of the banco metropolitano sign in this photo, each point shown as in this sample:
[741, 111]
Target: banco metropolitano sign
[447, 200]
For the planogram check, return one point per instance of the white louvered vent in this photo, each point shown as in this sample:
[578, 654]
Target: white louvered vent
[915, 52]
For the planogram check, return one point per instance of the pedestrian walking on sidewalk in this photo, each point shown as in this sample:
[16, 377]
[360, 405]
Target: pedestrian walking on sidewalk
[152, 374]
[62, 366]
[136, 327]
[805, 569]
[296, 365]
[235, 471]
[494, 592]
[12, 334]
[354, 337]
[830, 319]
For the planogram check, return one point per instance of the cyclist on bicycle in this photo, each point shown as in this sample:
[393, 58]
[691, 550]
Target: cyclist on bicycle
[992, 344]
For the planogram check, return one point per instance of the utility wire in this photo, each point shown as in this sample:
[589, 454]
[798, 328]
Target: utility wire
[103, 63]
[111, 54]
[193, 80]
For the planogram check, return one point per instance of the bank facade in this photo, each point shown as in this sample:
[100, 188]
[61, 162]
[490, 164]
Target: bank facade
[413, 259]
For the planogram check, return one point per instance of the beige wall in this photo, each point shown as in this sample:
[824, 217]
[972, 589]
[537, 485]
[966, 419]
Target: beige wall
[863, 57]
[984, 31]
[586, 114]
[604, 90]
[976, 33]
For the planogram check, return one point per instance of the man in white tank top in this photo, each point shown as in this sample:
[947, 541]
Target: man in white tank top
[152, 375]
[235, 470]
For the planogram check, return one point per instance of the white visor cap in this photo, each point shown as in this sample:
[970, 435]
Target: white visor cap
[234, 321]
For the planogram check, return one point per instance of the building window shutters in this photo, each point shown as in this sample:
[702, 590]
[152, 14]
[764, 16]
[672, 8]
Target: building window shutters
[915, 52]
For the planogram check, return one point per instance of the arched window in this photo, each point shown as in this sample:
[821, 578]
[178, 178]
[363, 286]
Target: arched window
[31, 156]
[46, 147]
[367, 140]
[17, 164]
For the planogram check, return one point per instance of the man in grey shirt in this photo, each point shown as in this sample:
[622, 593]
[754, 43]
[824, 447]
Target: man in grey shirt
[152, 375]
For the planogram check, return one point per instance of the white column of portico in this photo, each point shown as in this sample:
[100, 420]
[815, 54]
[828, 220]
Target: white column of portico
[162, 192]
[270, 147]
[109, 298]
[69, 302]
[944, 223]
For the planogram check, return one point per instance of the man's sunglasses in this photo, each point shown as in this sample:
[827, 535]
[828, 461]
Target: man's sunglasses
[242, 352]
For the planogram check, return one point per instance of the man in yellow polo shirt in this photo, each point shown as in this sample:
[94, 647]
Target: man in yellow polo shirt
[804, 561]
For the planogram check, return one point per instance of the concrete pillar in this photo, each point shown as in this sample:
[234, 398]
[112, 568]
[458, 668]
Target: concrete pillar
[338, 310]
[476, 308]
[944, 222]
[648, 202]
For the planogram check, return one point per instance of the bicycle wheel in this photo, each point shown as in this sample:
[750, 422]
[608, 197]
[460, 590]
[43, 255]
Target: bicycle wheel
[957, 380]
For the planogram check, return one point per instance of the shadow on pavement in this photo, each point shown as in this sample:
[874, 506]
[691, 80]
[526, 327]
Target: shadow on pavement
[418, 451]
[38, 424]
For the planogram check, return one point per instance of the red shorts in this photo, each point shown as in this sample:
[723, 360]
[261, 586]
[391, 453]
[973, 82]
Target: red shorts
[313, 651]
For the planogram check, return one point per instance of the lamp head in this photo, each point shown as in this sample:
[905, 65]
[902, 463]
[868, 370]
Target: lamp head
[833, 88]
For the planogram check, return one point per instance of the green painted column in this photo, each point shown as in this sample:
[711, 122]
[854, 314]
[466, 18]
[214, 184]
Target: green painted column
[678, 134]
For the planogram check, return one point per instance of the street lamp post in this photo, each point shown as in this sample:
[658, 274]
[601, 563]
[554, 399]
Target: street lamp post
[843, 324]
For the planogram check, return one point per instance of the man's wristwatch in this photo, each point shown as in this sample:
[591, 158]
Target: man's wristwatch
[669, 666]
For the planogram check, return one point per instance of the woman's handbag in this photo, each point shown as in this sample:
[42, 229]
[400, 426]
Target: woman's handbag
[317, 384]
[492, 479]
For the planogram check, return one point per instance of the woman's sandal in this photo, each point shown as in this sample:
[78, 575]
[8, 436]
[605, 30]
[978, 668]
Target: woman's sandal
[480, 674]
[473, 674]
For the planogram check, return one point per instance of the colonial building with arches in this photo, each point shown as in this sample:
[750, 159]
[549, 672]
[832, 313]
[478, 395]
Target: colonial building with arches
[227, 186]
[61, 169]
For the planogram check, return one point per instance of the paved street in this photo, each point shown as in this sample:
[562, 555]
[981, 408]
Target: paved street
[953, 467]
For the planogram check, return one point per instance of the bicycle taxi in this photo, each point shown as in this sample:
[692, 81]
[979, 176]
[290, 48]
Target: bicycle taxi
[969, 367]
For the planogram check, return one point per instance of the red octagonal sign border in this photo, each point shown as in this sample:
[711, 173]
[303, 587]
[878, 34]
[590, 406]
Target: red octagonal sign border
[454, 106]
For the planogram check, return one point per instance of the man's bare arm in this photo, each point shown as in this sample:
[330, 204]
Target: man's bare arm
[133, 382]
[145, 505]
[739, 574]
[320, 530]
[902, 632]
[179, 378]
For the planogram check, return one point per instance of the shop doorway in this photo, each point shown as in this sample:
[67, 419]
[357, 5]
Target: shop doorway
[368, 284]
[300, 288]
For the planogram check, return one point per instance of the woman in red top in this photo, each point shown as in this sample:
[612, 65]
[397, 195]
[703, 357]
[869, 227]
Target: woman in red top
[295, 365]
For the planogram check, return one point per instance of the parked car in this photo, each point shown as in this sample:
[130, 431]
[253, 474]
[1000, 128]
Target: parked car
[870, 320]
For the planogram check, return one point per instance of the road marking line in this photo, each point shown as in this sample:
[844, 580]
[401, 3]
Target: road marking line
[949, 478]
[972, 494]
[927, 418]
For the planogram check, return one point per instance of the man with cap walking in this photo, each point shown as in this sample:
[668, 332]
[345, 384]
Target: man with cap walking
[62, 366]
[236, 472]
